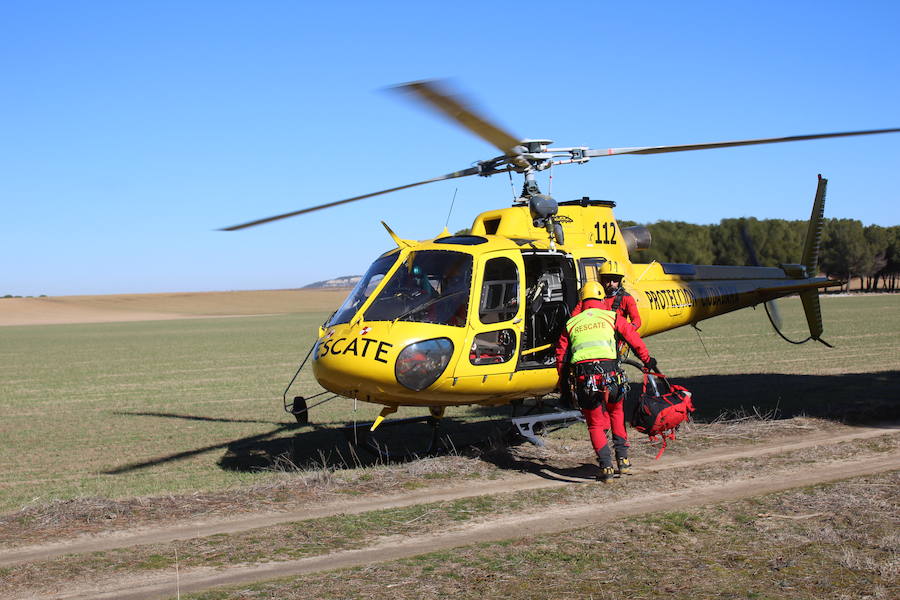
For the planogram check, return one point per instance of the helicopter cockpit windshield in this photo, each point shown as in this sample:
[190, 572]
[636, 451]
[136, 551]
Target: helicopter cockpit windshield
[431, 286]
[363, 289]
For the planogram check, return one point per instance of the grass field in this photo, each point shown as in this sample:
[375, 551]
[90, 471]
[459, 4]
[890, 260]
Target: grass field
[158, 407]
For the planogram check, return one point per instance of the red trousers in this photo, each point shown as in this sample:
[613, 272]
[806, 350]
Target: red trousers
[597, 420]
[600, 419]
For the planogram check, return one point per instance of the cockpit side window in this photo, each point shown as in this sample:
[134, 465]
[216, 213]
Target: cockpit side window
[362, 291]
[590, 269]
[499, 291]
[431, 286]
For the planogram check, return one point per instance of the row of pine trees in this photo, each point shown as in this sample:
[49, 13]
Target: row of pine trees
[850, 250]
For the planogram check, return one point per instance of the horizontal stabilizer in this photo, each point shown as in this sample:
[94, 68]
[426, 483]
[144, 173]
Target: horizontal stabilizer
[793, 287]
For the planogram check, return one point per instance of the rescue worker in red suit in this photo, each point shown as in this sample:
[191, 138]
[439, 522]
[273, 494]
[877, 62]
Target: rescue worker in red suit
[620, 301]
[589, 343]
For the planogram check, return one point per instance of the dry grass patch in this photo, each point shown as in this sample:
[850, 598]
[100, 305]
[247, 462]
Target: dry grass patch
[288, 490]
[774, 546]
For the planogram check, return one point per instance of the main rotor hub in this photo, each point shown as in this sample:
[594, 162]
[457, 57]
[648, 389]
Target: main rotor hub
[536, 145]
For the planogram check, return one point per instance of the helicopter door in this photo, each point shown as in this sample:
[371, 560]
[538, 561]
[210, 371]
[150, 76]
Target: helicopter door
[551, 293]
[495, 330]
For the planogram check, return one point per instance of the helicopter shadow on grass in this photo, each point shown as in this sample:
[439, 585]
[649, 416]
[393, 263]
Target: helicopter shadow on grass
[546, 468]
[269, 450]
[851, 398]
[144, 464]
[190, 417]
[509, 451]
[343, 446]
[290, 446]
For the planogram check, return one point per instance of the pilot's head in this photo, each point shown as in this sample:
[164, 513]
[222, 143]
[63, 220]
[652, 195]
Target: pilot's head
[611, 276]
[420, 278]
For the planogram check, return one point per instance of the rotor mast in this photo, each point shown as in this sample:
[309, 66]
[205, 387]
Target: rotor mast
[543, 208]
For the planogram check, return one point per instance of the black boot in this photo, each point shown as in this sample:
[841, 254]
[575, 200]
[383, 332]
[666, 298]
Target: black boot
[606, 473]
[604, 459]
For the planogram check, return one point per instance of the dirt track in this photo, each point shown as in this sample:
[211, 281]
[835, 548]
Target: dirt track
[521, 482]
[163, 585]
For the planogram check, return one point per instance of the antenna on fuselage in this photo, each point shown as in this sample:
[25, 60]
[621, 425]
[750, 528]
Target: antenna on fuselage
[450, 212]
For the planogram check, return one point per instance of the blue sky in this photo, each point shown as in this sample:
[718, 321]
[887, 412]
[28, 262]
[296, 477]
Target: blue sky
[133, 130]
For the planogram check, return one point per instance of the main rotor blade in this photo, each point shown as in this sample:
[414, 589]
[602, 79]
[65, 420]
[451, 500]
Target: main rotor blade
[686, 147]
[463, 173]
[432, 94]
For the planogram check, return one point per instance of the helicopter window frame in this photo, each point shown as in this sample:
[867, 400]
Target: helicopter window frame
[547, 307]
[590, 266]
[462, 240]
[427, 286]
[493, 347]
[499, 295]
[364, 289]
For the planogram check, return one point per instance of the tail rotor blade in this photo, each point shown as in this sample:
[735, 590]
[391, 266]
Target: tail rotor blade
[771, 306]
[774, 314]
[749, 246]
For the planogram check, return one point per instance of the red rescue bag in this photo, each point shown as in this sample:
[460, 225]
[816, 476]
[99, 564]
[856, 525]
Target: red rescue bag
[661, 408]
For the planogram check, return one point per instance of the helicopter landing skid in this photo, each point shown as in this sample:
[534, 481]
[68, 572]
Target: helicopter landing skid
[360, 435]
[531, 427]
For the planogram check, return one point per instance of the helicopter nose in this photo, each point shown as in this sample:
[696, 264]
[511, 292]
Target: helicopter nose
[381, 360]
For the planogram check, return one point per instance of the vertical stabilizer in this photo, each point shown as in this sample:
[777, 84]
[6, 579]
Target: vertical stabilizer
[810, 298]
[814, 231]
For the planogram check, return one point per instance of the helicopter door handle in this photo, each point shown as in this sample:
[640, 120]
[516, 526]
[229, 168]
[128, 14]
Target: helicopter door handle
[517, 321]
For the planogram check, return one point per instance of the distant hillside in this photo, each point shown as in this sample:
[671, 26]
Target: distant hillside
[338, 282]
[165, 306]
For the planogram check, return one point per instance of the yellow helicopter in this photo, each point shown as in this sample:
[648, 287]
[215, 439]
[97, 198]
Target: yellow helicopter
[473, 319]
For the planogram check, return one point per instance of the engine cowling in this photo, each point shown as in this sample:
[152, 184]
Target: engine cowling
[636, 238]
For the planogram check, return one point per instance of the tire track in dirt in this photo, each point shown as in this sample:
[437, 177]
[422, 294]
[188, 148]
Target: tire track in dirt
[505, 528]
[518, 482]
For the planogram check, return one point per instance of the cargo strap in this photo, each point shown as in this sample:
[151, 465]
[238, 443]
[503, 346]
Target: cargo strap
[620, 294]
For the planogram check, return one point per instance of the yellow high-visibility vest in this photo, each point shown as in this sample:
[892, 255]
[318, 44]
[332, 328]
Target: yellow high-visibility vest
[592, 335]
